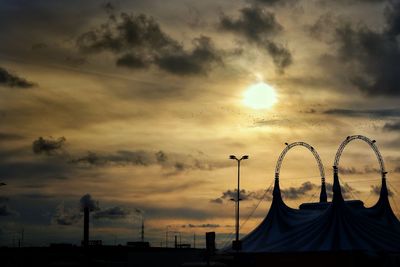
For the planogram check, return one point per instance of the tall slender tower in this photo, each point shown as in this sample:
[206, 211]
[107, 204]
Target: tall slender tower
[86, 226]
[142, 232]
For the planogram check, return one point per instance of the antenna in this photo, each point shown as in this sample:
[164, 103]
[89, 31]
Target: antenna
[142, 233]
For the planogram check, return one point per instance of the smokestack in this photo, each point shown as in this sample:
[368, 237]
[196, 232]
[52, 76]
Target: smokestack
[87, 205]
[86, 227]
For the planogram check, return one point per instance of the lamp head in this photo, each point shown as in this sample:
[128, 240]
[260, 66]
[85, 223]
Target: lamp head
[232, 157]
[245, 157]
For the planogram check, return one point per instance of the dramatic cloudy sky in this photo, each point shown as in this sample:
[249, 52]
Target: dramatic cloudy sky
[140, 103]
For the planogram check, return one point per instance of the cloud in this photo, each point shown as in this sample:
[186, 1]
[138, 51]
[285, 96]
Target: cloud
[131, 61]
[38, 196]
[389, 127]
[6, 211]
[121, 157]
[243, 195]
[217, 200]
[291, 193]
[112, 213]
[138, 42]
[178, 163]
[35, 170]
[369, 58]
[12, 80]
[349, 170]
[276, 2]
[254, 23]
[198, 61]
[87, 201]
[376, 189]
[368, 113]
[64, 216]
[298, 192]
[353, 170]
[10, 136]
[346, 190]
[47, 146]
[258, 26]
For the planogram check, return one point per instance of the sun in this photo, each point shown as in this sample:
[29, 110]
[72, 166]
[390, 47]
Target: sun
[260, 96]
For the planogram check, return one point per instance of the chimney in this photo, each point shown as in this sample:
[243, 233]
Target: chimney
[86, 227]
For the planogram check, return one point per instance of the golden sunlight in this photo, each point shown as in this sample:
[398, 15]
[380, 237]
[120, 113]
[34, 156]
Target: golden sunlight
[260, 96]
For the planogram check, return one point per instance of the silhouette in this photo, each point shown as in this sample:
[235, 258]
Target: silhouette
[338, 228]
[336, 232]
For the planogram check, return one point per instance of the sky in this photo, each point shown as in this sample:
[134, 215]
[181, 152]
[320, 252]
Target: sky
[136, 106]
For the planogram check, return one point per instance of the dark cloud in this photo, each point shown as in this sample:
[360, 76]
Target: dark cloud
[122, 157]
[177, 162]
[291, 193]
[243, 195]
[392, 126]
[87, 201]
[369, 58]
[346, 189]
[198, 61]
[10, 136]
[217, 200]
[38, 46]
[36, 171]
[254, 23]
[352, 170]
[48, 146]
[281, 55]
[73, 216]
[322, 28]
[6, 211]
[349, 170]
[64, 216]
[131, 61]
[298, 192]
[161, 157]
[276, 2]
[368, 113]
[376, 189]
[38, 196]
[138, 42]
[12, 80]
[112, 213]
[258, 26]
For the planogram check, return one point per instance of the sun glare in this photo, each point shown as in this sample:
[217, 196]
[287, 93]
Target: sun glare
[260, 96]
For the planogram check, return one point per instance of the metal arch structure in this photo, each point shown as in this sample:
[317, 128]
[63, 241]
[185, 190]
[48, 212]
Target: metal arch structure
[370, 142]
[303, 144]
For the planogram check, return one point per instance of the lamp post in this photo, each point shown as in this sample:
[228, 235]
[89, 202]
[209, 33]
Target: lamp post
[236, 245]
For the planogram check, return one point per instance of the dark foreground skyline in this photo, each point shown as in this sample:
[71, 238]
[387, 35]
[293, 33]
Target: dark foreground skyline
[139, 104]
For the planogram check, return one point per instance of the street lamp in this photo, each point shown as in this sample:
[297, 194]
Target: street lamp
[236, 245]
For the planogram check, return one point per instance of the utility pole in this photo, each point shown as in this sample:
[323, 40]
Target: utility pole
[142, 233]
